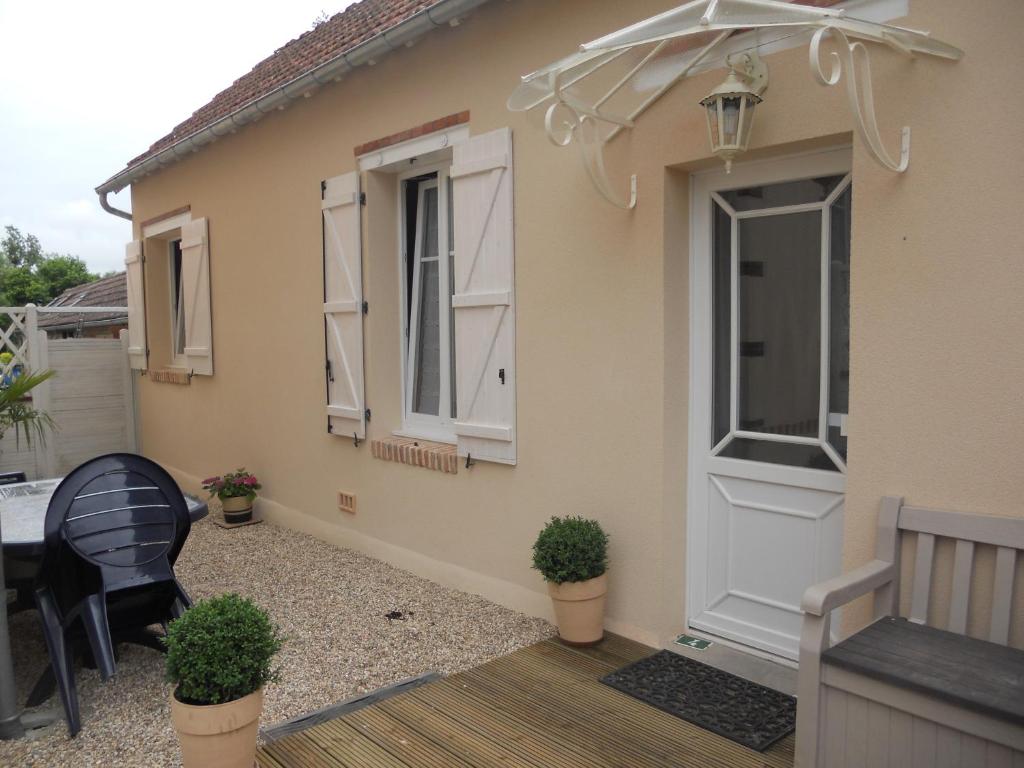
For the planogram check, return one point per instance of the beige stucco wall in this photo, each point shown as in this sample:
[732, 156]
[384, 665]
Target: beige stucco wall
[602, 331]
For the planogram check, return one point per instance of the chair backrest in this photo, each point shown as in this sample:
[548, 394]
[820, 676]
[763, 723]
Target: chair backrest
[1005, 534]
[121, 514]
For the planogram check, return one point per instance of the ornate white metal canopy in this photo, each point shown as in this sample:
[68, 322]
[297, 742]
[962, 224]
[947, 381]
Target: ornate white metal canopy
[591, 95]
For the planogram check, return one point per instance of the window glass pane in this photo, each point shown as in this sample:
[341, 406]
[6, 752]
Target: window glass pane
[791, 454]
[427, 379]
[722, 269]
[178, 309]
[839, 318]
[788, 193]
[779, 323]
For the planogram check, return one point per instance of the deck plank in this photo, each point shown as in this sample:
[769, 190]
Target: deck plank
[540, 707]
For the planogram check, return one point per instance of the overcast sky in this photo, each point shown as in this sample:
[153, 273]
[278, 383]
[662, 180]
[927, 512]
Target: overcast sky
[85, 86]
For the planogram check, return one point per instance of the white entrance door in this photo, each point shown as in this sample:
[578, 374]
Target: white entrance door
[769, 393]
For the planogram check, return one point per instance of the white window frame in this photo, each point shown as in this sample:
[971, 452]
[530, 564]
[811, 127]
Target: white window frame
[437, 428]
[176, 304]
[169, 230]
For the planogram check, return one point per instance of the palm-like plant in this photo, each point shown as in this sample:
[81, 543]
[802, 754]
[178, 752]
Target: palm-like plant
[16, 411]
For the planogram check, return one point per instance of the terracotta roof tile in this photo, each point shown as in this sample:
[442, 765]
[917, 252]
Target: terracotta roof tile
[340, 33]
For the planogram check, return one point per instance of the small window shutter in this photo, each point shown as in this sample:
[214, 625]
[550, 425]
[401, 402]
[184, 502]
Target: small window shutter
[484, 299]
[195, 284]
[137, 351]
[343, 306]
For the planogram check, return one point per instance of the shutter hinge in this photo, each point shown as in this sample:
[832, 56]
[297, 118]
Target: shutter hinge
[362, 198]
[330, 427]
[366, 307]
[323, 189]
[367, 414]
[330, 371]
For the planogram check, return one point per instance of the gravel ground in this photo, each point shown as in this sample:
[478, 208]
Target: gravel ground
[331, 605]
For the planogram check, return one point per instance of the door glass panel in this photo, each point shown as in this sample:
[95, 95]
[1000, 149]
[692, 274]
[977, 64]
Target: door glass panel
[772, 452]
[722, 267]
[780, 323]
[775, 195]
[839, 319]
[427, 381]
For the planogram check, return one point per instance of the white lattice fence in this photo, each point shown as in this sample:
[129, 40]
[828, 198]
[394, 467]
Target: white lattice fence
[14, 339]
[91, 398]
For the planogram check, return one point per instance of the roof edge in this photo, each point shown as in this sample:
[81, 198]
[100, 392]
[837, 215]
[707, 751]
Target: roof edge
[400, 35]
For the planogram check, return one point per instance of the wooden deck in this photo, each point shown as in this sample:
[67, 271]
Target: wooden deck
[540, 707]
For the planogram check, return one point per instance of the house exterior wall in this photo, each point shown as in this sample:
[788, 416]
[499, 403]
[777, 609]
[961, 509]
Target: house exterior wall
[602, 318]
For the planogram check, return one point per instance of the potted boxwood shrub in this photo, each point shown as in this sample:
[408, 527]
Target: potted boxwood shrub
[219, 658]
[236, 491]
[572, 555]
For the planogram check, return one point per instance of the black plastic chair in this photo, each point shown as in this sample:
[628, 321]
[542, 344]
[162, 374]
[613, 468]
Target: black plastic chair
[113, 530]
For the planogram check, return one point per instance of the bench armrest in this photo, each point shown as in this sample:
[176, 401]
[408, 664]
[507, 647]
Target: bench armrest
[828, 595]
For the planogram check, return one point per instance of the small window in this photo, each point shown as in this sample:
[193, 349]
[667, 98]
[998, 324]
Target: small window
[177, 304]
[429, 321]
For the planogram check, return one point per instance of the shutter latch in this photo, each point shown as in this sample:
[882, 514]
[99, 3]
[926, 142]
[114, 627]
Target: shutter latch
[362, 198]
[501, 375]
[366, 307]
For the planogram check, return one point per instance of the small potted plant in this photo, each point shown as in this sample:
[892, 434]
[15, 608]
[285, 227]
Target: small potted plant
[572, 555]
[236, 491]
[219, 658]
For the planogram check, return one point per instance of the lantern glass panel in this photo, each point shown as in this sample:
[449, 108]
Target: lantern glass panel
[712, 108]
[730, 119]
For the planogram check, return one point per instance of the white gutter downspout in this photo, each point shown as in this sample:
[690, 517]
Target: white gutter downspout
[402, 34]
[106, 206]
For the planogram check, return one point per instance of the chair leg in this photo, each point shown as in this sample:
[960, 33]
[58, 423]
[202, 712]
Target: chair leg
[183, 602]
[61, 659]
[97, 629]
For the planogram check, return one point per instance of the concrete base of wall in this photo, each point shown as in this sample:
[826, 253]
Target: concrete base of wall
[500, 591]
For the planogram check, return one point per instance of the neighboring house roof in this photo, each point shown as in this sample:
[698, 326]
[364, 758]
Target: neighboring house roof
[369, 27]
[106, 292]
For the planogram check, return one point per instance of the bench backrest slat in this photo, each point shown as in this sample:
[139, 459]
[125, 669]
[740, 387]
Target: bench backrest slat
[981, 529]
[963, 564]
[922, 578]
[1002, 595]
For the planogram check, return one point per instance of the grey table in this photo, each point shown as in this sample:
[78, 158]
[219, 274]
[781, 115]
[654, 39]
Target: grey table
[22, 517]
[23, 512]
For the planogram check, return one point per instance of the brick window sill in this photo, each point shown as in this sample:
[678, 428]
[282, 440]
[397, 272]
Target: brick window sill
[170, 376]
[440, 457]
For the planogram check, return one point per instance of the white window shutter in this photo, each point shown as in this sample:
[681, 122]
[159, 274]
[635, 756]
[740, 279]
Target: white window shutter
[137, 351]
[195, 284]
[484, 299]
[343, 306]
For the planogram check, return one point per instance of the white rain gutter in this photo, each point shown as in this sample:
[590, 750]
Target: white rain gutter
[401, 35]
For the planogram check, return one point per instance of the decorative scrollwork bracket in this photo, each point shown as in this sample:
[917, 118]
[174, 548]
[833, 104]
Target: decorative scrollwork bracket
[854, 58]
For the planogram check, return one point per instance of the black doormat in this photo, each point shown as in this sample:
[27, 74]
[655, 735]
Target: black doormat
[730, 706]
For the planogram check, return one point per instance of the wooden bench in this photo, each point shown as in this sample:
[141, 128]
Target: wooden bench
[901, 693]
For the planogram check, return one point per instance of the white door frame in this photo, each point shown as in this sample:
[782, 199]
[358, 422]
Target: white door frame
[833, 161]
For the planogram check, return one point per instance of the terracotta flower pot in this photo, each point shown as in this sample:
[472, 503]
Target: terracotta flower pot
[579, 609]
[218, 735]
[237, 509]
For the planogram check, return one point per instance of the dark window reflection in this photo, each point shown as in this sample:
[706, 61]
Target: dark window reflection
[788, 193]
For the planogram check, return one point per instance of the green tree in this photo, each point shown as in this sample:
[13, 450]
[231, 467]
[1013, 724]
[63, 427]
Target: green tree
[18, 250]
[27, 274]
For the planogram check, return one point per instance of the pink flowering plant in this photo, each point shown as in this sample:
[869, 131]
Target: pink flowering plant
[233, 484]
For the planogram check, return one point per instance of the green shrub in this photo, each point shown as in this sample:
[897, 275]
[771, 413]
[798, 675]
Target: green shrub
[221, 650]
[571, 549]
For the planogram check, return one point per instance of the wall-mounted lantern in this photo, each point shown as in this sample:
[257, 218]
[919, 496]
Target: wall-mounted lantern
[730, 106]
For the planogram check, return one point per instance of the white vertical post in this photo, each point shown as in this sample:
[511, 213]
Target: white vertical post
[128, 377]
[34, 366]
[46, 450]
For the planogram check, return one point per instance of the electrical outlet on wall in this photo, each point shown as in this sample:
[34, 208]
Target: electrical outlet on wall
[347, 502]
